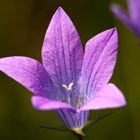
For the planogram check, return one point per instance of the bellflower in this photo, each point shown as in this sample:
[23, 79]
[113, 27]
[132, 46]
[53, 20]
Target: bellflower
[68, 80]
[132, 19]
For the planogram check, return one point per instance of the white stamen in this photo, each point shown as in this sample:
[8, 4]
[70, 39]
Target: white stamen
[65, 86]
[68, 87]
[79, 102]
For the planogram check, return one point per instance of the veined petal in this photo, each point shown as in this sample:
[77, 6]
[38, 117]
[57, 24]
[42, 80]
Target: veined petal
[99, 61]
[72, 119]
[28, 72]
[62, 51]
[134, 11]
[65, 111]
[123, 16]
[43, 103]
[108, 97]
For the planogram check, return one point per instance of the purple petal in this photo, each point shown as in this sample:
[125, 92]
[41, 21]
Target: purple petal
[99, 61]
[28, 72]
[42, 103]
[134, 11]
[72, 119]
[62, 51]
[65, 111]
[123, 16]
[108, 97]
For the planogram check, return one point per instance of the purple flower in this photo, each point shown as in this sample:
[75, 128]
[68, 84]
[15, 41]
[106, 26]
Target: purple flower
[69, 81]
[131, 20]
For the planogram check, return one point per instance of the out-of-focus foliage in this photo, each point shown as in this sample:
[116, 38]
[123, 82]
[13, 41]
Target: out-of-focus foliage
[22, 27]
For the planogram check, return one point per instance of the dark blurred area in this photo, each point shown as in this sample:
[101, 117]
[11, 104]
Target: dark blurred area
[23, 24]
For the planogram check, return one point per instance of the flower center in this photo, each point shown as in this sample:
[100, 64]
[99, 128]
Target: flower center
[71, 97]
[68, 87]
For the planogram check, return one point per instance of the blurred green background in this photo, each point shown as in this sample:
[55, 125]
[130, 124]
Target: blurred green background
[22, 27]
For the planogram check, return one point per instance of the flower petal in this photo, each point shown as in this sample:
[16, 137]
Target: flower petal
[42, 103]
[108, 97]
[134, 11]
[62, 51]
[28, 72]
[123, 16]
[72, 119]
[99, 61]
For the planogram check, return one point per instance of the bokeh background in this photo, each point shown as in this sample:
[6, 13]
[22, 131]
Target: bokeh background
[22, 27]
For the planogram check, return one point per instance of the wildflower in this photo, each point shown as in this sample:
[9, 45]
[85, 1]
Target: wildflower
[69, 81]
[131, 19]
